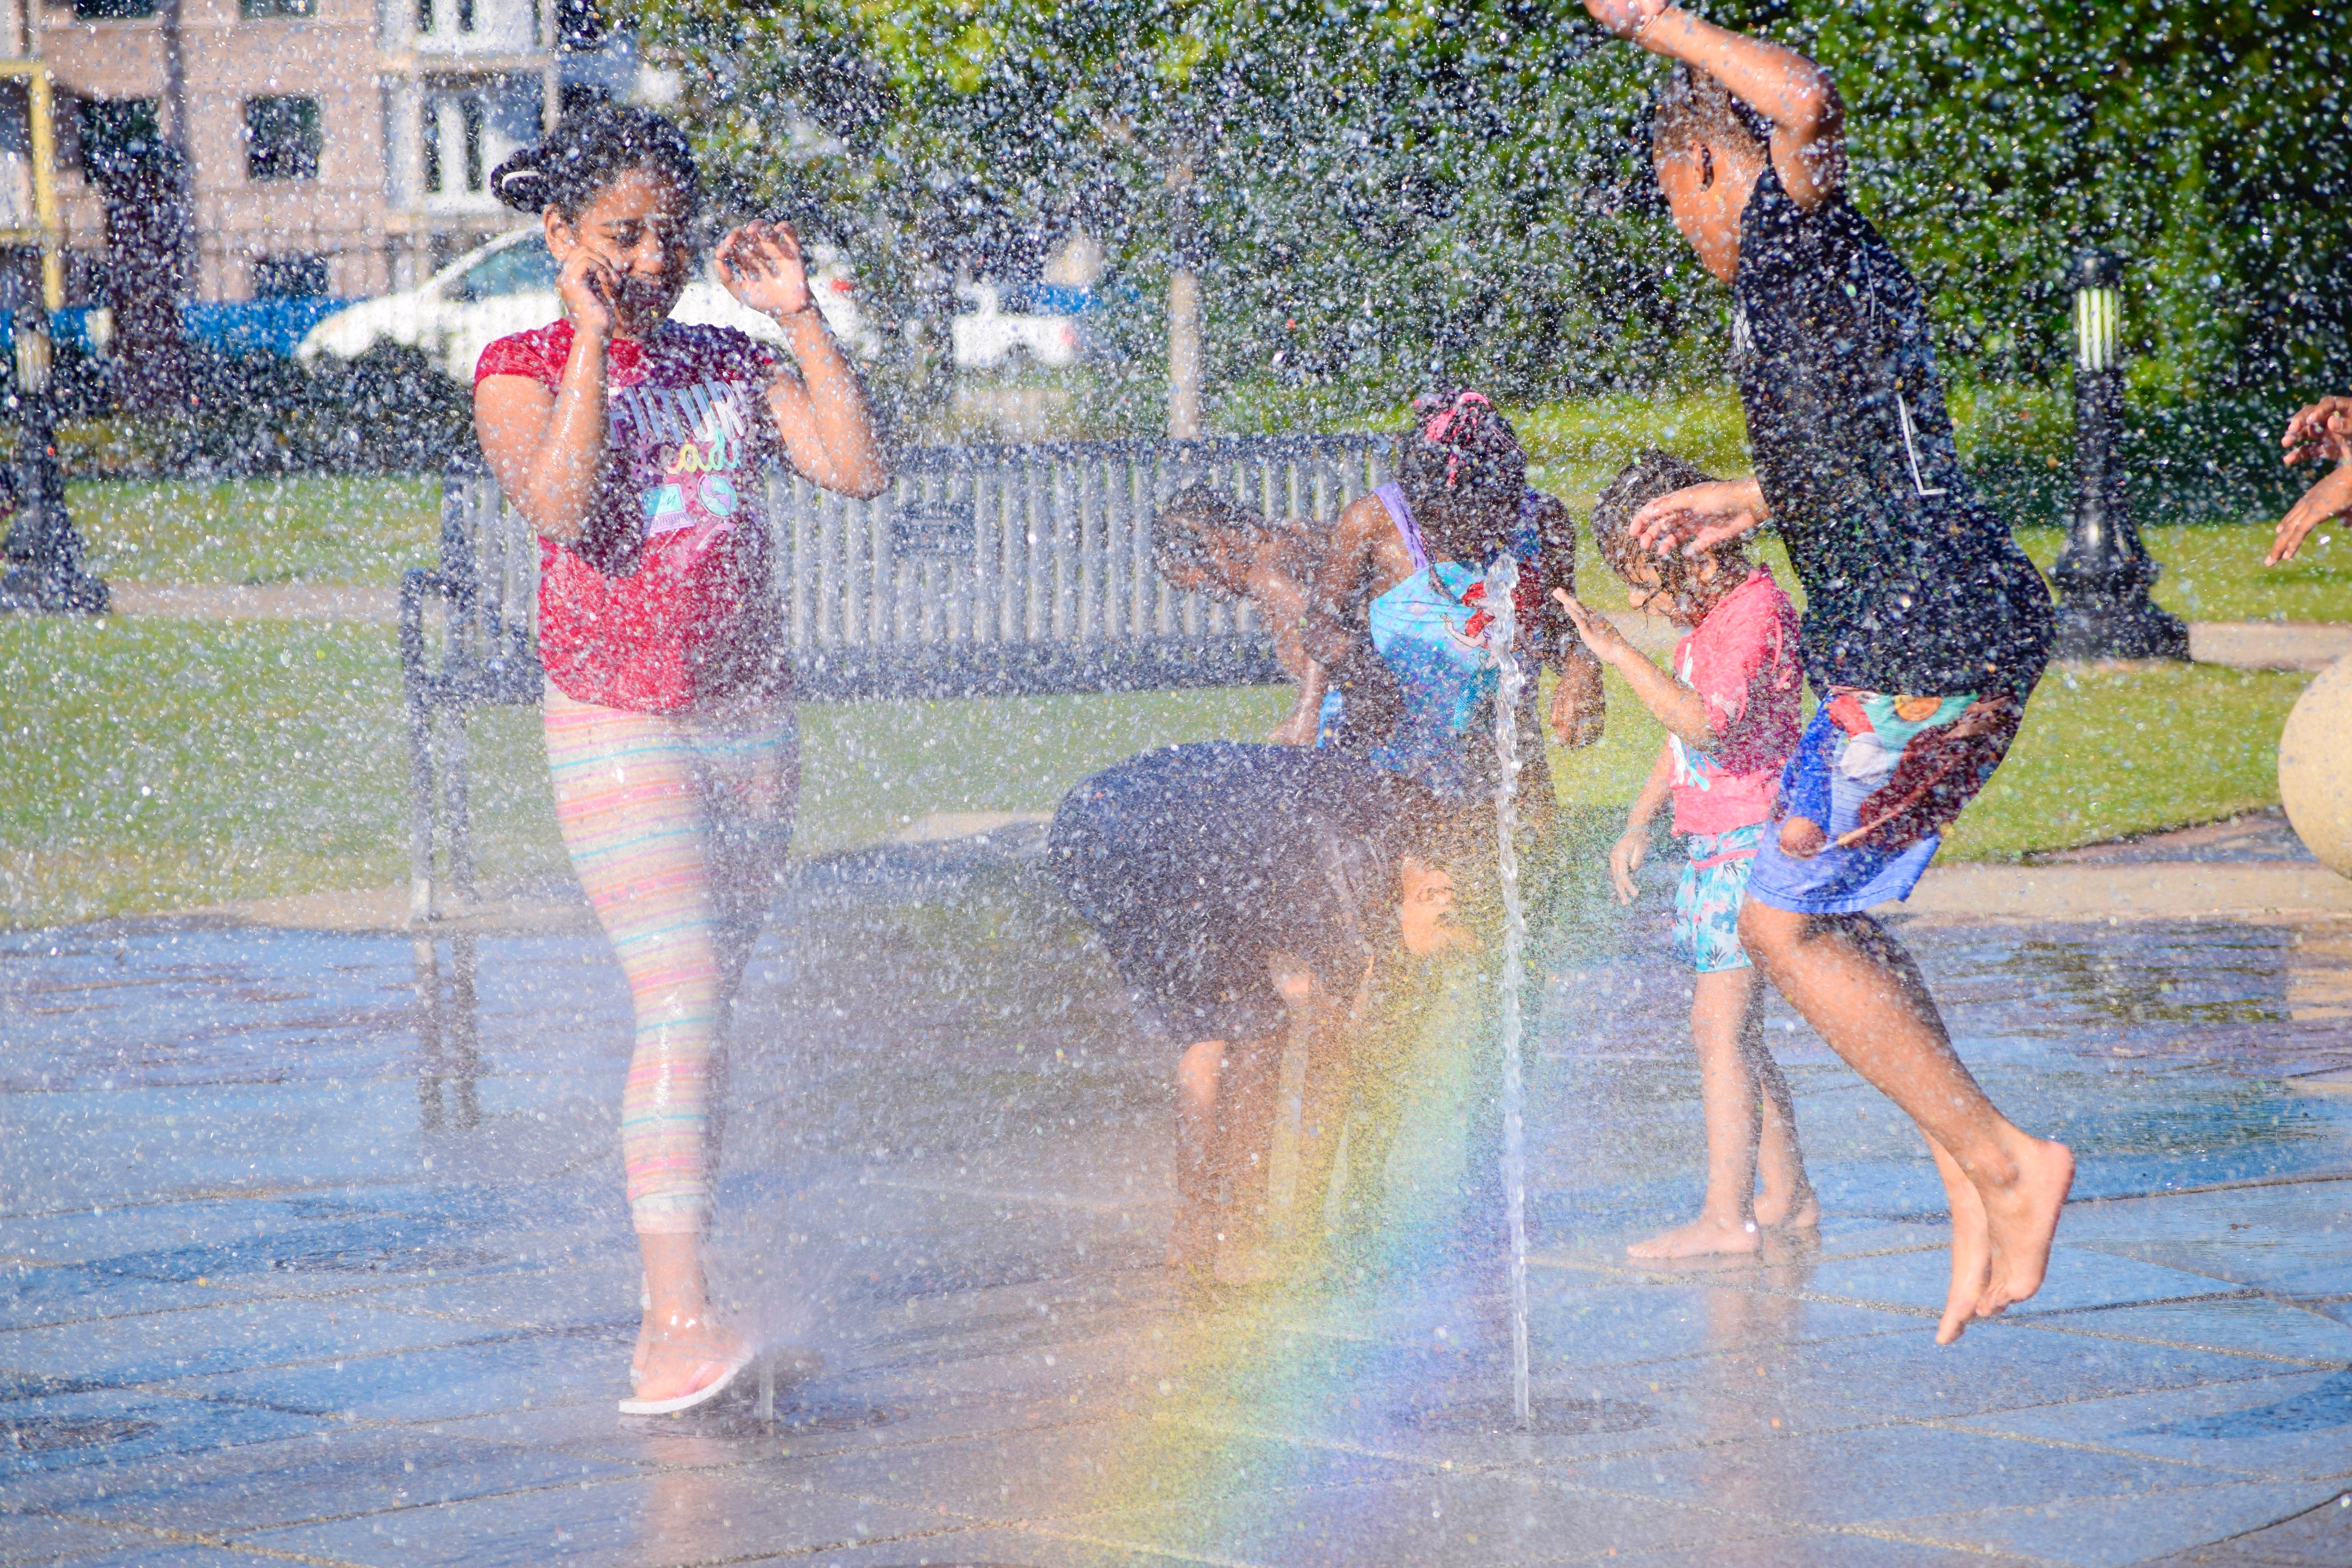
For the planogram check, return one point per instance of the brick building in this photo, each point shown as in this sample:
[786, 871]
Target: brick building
[330, 146]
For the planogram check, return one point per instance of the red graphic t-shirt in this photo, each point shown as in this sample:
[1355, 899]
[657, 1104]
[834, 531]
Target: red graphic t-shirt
[666, 599]
[1742, 661]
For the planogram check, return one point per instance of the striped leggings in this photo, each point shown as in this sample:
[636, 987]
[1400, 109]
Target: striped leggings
[678, 825]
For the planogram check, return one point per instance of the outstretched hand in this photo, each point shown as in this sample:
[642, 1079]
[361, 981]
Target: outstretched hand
[760, 265]
[1623, 19]
[1698, 518]
[1598, 632]
[2321, 432]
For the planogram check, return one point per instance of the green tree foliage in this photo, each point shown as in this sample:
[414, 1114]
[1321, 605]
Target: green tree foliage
[1386, 190]
[2210, 145]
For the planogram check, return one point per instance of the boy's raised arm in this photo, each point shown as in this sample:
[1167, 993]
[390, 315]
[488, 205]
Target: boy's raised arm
[1792, 92]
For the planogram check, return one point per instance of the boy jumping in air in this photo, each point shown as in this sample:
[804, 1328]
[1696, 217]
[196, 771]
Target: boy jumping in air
[1730, 709]
[1925, 626]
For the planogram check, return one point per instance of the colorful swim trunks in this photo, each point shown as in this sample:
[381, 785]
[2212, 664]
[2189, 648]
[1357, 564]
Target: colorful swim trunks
[1881, 775]
[1706, 899]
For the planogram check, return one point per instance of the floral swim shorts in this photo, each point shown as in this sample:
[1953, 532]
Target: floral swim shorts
[1707, 901]
[1881, 775]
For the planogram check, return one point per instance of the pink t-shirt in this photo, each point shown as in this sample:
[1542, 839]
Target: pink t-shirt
[668, 603]
[1742, 661]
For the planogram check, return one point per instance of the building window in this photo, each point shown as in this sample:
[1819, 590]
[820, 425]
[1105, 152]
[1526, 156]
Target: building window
[276, 10]
[423, 16]
[111, 10]
[465, 16]
[432, 129]
[289, 277]
[469, 114]
[281, 138]
[107, 131]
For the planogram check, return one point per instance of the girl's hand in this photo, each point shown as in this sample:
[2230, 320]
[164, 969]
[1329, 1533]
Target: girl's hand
[1700, 517]
[2330, 497]
[1625, 858]
[1623, 19]
[2321, 432]
[1599, 634]
[760, 265]
[591, 291]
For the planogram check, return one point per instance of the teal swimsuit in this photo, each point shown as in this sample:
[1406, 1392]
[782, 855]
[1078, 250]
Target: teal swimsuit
[1431, 631]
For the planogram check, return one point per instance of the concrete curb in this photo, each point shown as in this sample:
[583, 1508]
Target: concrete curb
[2262, 891]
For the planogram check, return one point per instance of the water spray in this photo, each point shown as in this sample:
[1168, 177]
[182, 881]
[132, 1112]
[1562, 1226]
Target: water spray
[1502, 584]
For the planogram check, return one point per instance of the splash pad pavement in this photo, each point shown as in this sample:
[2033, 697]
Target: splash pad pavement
[293, 1269]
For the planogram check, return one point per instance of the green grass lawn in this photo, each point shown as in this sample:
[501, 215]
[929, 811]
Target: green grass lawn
[157, 764]
[304, 527]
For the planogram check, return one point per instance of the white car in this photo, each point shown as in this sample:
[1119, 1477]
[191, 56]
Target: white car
[986, 334]
[508, 286]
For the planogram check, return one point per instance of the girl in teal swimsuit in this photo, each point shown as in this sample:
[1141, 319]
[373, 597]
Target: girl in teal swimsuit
[1397, 622]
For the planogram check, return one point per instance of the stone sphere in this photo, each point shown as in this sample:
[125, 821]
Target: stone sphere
[2314, 767]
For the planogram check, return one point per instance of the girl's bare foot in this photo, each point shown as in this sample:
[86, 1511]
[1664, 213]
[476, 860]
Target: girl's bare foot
[2022, 1219]
[686, 1354]
[1971, 1252]
[1702, 1238]
[1799, 1210]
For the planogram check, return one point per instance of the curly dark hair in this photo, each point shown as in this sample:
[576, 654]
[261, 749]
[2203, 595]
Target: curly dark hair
[1650, 475]
[589, 149]
[1180, 530]
[1463, 473]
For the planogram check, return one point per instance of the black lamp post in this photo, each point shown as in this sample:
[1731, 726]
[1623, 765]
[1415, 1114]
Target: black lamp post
[2104, 573]
[44, 569]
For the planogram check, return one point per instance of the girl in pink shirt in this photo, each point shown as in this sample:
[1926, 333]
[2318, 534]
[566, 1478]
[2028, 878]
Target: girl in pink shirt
[635, 446]
[1731, 709]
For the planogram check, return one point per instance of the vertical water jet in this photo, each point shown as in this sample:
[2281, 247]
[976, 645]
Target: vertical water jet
[1502, 583]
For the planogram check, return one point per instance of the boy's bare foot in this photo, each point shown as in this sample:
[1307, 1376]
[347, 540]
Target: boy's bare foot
[2022, 1219]
[1702, 1238]
[1971, 1248]
[1799, 1210]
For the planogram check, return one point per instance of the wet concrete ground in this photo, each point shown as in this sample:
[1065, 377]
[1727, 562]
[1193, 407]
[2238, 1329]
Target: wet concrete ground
[288, 1278]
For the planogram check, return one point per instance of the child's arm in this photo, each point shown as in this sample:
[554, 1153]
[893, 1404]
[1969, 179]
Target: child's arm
[1783, 86]
[1633, 846]
[1681, 709]
[1282, 602]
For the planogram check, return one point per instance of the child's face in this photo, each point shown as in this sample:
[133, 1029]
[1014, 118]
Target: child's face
[1707, 193]
[1425, 910]
[1225, 574]
[1646, 592]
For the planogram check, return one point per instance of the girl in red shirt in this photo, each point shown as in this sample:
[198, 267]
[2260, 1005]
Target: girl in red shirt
[635, 446]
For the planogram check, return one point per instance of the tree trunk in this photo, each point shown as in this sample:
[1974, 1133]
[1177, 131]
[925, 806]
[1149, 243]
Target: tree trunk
[1184, 354]
[1184, 368]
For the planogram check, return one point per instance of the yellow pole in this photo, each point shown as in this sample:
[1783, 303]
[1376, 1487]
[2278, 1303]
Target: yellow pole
[45, 189]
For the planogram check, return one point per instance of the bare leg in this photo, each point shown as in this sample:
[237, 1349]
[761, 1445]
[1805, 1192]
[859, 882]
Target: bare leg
[1323, 1111]
[1723, 1011]
[1192, 1242]
[1785, 1201]
[1860, 991]
[1241, 1155]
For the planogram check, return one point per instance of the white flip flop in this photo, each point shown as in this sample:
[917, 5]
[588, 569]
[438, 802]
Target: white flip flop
[706, 1392]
